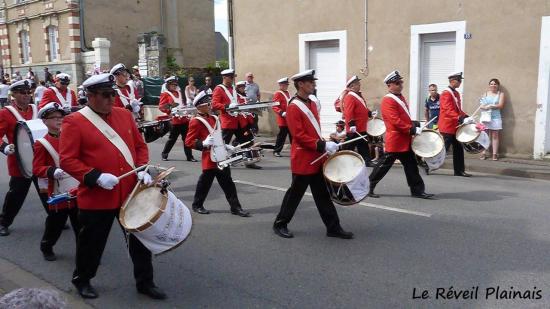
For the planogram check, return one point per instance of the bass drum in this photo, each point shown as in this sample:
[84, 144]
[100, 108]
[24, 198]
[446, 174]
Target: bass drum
[375, 131]
[346, 177]
[26, 132]
[473, 140]
[430, 146]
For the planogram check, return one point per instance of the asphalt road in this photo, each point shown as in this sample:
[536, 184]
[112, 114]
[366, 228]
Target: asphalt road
[486, 232]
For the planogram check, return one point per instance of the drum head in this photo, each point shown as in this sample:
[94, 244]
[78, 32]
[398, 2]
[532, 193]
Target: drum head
[376, 127]
[343, 167]
[467, 133]
[142, 208]
[428, 144]
[24, 151]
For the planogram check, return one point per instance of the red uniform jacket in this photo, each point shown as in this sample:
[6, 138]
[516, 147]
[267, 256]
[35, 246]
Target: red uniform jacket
[196, 134]
[220, 101]
[279, 110]
[86, 153]
[356, 113]
[43, 166]
[126, 90]
[165, 101]
[244, 120]
[398, 125]
[306, 144]
[7, 128]
[449, 112]
[50, 96]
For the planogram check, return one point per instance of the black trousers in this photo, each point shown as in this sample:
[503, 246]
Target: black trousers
[362, 145]
[408, 160]
[226, 182]
[92, 238]
[175, 132]
[281, 138]
[55, 221]
[239, 133]
[319, 190]
[458, 152]
[18, 190]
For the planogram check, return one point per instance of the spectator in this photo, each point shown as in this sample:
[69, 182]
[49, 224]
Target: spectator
[30, 74]
[339, 135]
[491, 105]
[190, 90]
[39, 91]
[4, 90]
[48, 78]
[138, 83]
[252, 95]
[17, 76]
[7, 78]
[432, 106]
[208, 87]
[30, 298]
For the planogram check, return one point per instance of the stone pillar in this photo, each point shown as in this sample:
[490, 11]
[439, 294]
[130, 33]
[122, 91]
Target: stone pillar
[101, 50]
[152, 54]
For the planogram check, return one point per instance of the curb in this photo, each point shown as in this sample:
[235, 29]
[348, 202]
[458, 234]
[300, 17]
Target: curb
[14, 277]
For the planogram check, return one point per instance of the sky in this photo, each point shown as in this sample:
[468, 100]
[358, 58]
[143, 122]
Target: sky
[220, 16]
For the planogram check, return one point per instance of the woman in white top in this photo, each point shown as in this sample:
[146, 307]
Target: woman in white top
[190, 91]
[491, 105]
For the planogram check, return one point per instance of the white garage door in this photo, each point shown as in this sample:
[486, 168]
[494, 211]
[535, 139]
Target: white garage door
[438, 61]
[325, 59]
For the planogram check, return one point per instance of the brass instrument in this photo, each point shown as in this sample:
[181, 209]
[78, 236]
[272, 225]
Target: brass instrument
[184, 112]
[252, 107]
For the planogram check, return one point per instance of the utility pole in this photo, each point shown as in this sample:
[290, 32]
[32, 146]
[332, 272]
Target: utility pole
[230, 34]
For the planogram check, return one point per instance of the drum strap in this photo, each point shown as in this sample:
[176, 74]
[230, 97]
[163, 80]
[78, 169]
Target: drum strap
[358, 97]
[126, 99]
[65, 101]
[400, 102]
[18, 116]
[178, 100]
[229, 95]
[284, 95]
[109, 133]
[54, 154]
[302, 106]
[454, 97]
[207, 125]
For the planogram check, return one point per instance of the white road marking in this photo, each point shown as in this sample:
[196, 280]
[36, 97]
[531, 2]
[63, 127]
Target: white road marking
[371, 205]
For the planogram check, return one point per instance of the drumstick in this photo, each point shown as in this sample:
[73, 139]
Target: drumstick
[341, 144]
[362, 136]
[428, 123]
[472, 114]
[240, 145]
[131, 172]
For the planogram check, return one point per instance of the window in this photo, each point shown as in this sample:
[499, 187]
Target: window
[52, 40]
[20, 1]
[25, 46]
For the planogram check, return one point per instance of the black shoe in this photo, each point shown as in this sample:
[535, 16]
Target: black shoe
[282, 231]
[240, 212]
[4, 231]
[192, 160]
[340, 234]
[423, 195]
[463, 174]
[253, 166]
[152, 291]
[277, 154]
[85, 289]
[164, 157]
[370, 164]
[48, 254]
[201, 210]
[373, 195]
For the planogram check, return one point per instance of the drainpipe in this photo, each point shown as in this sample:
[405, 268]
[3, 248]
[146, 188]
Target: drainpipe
[83, 46]
[162, 17]
[230, 34]
[365, 69]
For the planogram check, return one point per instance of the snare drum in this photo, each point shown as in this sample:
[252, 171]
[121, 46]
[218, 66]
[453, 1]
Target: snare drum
[473, 140]
[375, 131]
[26, 132]
[247, 156]
[430, 146]
[346, 177]
[153, 130]
[157, 218]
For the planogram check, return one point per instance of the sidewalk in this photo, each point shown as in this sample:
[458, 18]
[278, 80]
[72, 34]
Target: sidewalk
[13, 277]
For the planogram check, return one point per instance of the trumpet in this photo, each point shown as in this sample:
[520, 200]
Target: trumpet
[184, 112]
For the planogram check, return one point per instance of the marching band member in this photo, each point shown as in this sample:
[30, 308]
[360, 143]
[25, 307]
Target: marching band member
[246, 120]
[201, 138]
[450, 116]
[400, 129]
[60, 93]
[356, 114]
[283, 97]
[170, 101]
[45, 166]
[303, 123]
[127, 96]
[19, 110]
[99, 142]
[225, 97]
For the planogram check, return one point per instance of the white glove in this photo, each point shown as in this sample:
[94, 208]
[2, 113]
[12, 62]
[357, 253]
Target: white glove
[58, 173]
[234, 104]
[67, 109]
[135, 105]
[174, 110]
[353, 129]
[107, 181]
[209, 141]
[145, 177]
[230, 148]
[374, 114]
[469, 120]
[9, 150]
[331, 147]
[417, 131]
[283, 114]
